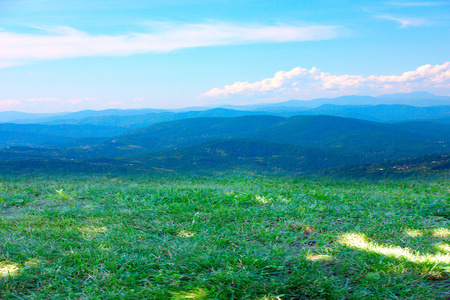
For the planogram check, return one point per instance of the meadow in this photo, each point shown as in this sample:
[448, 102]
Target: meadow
[223, 236]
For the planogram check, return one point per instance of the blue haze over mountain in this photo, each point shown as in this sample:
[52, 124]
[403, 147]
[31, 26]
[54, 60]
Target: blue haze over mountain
[289, 136]
[402, 107]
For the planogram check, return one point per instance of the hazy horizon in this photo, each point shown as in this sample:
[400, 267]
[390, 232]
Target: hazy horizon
[222, 105]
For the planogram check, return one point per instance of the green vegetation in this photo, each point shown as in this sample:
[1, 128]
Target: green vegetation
[176, 210]
[236, 154]
[263, 143]
[271, 143]
[226, 236]
[363, 139]
[431, 165]
[37, 134]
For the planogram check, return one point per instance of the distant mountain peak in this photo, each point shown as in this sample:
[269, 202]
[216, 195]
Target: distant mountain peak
[412, 95]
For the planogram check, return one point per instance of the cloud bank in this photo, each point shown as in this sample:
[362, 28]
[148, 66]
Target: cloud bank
[300, 83]
[64, 42]
[44, 104]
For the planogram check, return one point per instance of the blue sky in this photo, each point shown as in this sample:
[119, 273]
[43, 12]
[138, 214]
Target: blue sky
[73, 55]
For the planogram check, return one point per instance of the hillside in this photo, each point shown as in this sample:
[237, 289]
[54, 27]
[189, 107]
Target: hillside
[37, 134]
[231, 235]
[144, 120]
[14, 138]
[242, 154]
[430, 165]
[169, 135]
[374, 141]
[297, 144]
[350, 136]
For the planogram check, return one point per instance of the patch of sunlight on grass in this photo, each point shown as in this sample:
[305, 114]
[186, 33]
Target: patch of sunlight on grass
[185, 233]
[319, 257]
[194, 294]
[89, 232]
[262, 200]
[269, 298]
[93, 229]
[443, 247]
[64, 195]
[104, 247]
[413, 232]
[8, 269]
[362, 242]
[33, 262]
[280, 199]
[441, 232]
[284, 200]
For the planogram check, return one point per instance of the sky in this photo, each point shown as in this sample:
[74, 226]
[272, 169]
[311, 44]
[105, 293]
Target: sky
[65, 55]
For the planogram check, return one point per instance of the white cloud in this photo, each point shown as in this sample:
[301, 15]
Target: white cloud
[64, 42]
[114, 103]
[7, 104]
[302, 83]
[49, 103]
[404, 22]
[8, 64]
[41, 100]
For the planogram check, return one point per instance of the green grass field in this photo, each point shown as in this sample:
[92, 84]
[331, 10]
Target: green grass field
[228, 236]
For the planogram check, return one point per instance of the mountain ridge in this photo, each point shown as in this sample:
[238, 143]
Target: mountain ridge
[419, 99]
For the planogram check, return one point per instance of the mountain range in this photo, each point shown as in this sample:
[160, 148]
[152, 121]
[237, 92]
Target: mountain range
[276, 137]
[416, 99]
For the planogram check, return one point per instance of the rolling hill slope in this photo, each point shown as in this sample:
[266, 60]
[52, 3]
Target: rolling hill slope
[36, 134]
[187, 132]
[144, 120]
[293, 144]
[428, 165]
[243, 154]
[371, 141]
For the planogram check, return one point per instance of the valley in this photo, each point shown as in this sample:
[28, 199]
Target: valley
[269, 138]
[227, 204]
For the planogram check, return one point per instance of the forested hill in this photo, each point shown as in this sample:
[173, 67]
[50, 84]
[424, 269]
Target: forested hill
[147, 119]
[350, 136]
[429, 165]
[265, 142]
[191, 131]
[244, 155]
[36, 134]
